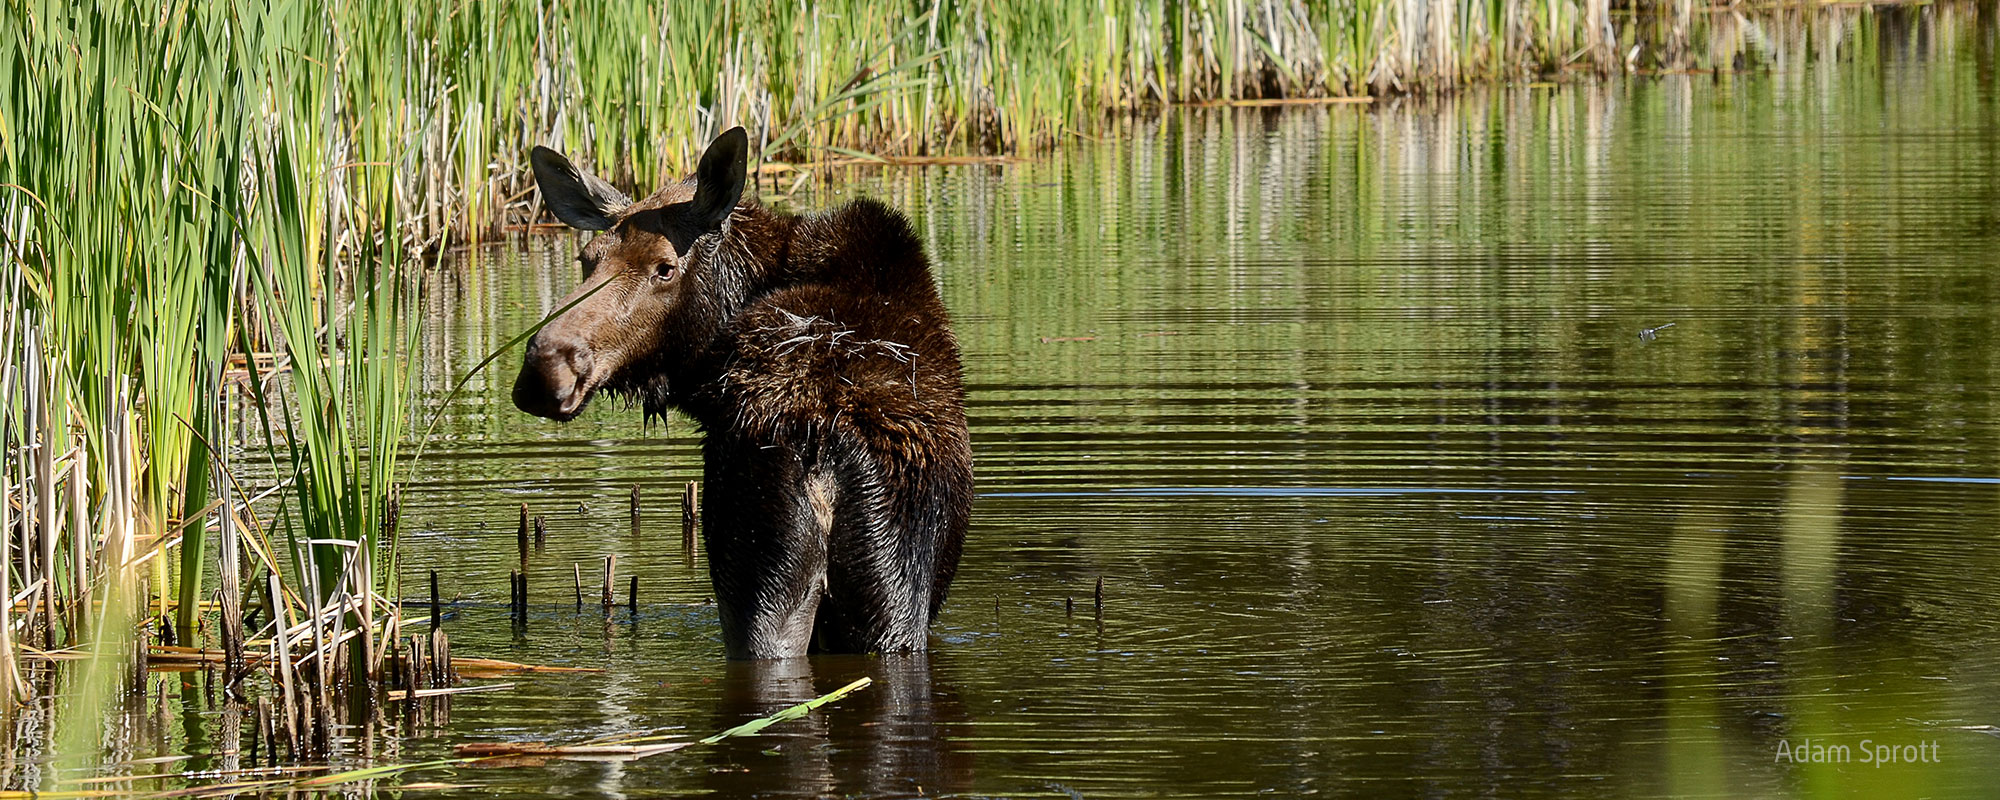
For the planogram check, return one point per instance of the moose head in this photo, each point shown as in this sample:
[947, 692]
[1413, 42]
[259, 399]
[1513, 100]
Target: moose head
[655, 288]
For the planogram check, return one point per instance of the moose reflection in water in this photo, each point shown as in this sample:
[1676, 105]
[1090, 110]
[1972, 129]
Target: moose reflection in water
[900, 737]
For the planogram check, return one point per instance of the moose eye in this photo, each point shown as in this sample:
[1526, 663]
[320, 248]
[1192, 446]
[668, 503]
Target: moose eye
[665, 271]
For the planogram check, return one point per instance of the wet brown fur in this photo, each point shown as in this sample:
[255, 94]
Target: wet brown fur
[816, 356]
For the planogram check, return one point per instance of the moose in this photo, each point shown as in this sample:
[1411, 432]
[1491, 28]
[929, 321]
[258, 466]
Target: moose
[816, 358]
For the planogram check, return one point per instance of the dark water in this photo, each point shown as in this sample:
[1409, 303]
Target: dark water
[1552, 441]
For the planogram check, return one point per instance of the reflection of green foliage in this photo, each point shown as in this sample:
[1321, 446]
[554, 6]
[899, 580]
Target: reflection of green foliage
[1298, 242]
[1447, 226]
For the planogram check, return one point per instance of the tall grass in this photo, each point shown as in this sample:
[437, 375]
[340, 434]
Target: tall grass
[461, 90]
[118, 157]
[119, 191]
[171, 189]
[340, 322]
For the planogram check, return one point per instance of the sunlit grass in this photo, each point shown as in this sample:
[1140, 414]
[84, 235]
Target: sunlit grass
[462, 90]
[169, 178]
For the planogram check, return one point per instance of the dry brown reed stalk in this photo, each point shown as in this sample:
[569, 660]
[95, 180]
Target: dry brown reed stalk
[690, 517]
[228, 577]
[12, 690]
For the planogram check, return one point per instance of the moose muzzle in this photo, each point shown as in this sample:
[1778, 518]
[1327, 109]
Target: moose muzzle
[555, 378]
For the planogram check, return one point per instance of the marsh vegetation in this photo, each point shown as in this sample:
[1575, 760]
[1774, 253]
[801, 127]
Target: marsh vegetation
[228, 225]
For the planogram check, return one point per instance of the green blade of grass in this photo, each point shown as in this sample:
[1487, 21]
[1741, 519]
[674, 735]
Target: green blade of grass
[794, 712]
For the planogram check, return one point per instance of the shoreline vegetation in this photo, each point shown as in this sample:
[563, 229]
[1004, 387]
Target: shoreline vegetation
[217, 205]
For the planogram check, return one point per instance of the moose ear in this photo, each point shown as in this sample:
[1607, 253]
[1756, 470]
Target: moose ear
[718, 181]
[579, 198]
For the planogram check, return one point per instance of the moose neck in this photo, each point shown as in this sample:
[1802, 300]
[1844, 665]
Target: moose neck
[758, 245]
[754, 258]
[861, 248]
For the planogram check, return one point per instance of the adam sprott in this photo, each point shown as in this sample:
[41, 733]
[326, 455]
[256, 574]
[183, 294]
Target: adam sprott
[1871, 753]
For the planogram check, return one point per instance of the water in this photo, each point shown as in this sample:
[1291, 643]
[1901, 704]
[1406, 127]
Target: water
[1586, 441]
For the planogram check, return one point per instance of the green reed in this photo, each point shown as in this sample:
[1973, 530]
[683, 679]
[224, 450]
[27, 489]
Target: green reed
[119, 159]
[172, 190]
[125, 236]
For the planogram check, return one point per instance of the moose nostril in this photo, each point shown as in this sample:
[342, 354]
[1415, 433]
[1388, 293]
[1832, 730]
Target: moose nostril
[542, 348]
[547, 355]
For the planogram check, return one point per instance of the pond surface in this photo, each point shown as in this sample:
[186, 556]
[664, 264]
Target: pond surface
[1567, 440]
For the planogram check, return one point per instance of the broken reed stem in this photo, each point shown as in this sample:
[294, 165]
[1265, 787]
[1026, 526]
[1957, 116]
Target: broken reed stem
[690, 515]
[578, 570]
[79, 545]
[521, 536]
[541, 533]
[141, 670]
[24, 552]
[362, 573]
[439, 675]
[426, 665]
[229, 593]
[632, 596]
[13, 690]
[610, 567]
[415, 665]
[41, 426]
[442, 672]
[281, 652]
[635, 503]
[392, 513]
[318, 704]
[260, 739]
[437, 614]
